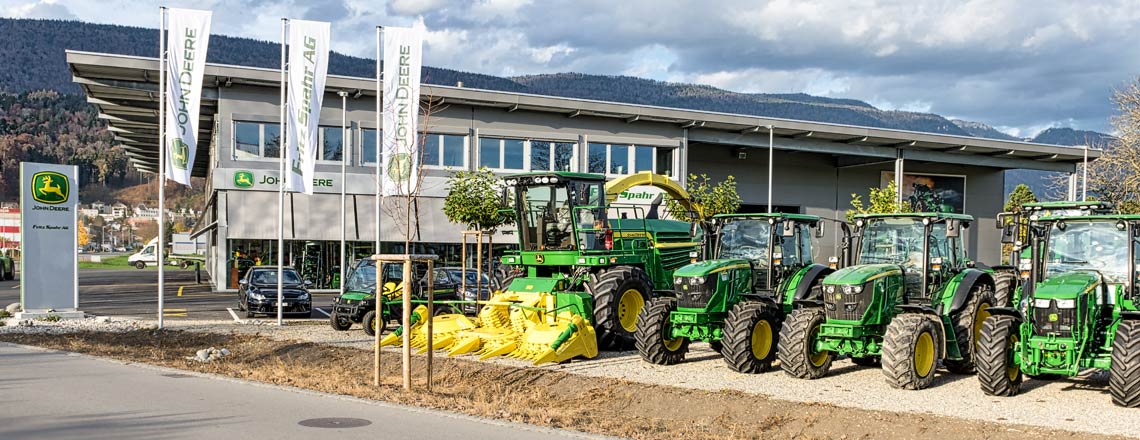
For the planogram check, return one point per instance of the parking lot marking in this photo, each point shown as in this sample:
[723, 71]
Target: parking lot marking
[321, 310]
[180, 290]
[233, 314]
[174, 312]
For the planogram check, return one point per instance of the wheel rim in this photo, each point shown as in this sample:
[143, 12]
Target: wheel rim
[924, 354]
[761, 339]
[674, 344]
[817, 358]
[980, 320]
[1011, 369]
[629, 306]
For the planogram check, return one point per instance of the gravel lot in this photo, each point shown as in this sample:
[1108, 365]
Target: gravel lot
[1073, 404]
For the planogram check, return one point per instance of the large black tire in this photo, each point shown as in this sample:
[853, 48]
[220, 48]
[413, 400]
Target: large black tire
[1124, 374]
[751, 337]
[3, 271]
[503, 276]
[339, 323]
[797, 345]
[370, 323]
[1004, 282]
[997, 374]
[619, 293]
[968, 324]
[652, 326]
[911, 349]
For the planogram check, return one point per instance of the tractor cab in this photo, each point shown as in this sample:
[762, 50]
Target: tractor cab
[775, 246]
[926, 248]
[1014, 225]
[557, 211]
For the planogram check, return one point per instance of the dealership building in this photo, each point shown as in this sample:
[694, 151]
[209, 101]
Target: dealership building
[817, 166]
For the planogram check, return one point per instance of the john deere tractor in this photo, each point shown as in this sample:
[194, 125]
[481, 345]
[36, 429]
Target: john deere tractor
[911, 299]
[584, 270]
[761, 264]
[1080, 309]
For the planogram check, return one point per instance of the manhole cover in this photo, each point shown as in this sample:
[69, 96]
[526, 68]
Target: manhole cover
[177, 375]
[334, 422]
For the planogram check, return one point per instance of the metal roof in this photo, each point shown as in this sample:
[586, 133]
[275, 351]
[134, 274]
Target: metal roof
[124, 89]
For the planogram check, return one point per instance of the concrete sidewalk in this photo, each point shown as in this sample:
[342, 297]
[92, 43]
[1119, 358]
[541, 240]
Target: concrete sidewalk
[49, 394]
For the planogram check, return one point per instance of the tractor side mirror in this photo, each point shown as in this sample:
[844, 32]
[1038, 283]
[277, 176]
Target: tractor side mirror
[1002, 219]
[787, 228]
[819, 230]
[1009, 233]
[503, 197]
[953, 228]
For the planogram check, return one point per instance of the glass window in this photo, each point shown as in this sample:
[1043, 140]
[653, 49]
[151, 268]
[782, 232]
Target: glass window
[489, 153]
[272, 140]
[539, 155]
[430, 155]
[332, 143]
[597, 158]
[563, 155]
[643, 158]
[453, 150]
[619, 159]
[247, 140]
[664, 161]
[513, 154]
[368, 146]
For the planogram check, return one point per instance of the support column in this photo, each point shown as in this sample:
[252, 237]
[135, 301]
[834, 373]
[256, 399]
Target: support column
[1072, 186]
[899, 176]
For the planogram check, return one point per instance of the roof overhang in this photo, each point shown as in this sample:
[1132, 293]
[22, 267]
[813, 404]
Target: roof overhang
[124, 89]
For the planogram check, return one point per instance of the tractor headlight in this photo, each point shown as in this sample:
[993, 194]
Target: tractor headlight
[1066, 303]
[1041, 303]
[853, 289]
[697, 280]
[829, 288]
[678, 281]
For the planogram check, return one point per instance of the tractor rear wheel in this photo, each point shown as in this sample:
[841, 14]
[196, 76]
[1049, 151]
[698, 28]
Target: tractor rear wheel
[968, 324]
[338, 322]
[750, 337]
[370, 323]
[1124, 374]
[619, 295]
[997, 373]
[797, 354]
[653, 342]
[911, 349]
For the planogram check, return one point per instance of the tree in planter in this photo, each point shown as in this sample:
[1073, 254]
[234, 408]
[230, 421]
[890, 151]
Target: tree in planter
[883, 201]
[474, 200]
[720, 198]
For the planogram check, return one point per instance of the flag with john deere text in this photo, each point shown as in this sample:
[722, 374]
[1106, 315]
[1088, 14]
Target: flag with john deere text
[307, 68]
[403, 50]
[187, 39]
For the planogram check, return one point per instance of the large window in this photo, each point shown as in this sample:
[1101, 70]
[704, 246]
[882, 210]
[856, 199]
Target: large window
[368, 146]
[256, 139]
[618, 159]
[520, 154]
[445, 150]
[332, 142]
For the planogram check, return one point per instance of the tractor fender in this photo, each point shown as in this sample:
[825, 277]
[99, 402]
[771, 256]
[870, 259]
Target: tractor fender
[1129, 316]
[812, 274]
[766, 299]
[807, 303]
[1007, 311]
[966, 282]
[917, 308]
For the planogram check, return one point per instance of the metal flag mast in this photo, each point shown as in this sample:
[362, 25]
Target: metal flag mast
[161, 158]
[282, 146]
[343, 183]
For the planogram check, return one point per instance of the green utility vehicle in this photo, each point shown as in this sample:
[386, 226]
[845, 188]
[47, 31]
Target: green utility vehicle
[1080, 309]
[911, 298]
[601, 261]
[761, 264]
[358, 303]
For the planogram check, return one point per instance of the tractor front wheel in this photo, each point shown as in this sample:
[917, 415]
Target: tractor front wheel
[653, 341]
[797, 353]
[619, 295]
[750, 337]
[968, 327]
[1124, 373]
[370, 323]
[911, 349]
[997, 373]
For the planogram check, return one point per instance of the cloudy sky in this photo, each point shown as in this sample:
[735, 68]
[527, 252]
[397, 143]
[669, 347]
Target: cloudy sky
[1021, 66]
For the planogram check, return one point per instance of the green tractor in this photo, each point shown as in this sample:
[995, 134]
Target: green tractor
[761, 264]
[1015, 225]
[1081, 309]
[910, 300]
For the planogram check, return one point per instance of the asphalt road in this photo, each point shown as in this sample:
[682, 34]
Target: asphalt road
[134, 293]
[50, 394]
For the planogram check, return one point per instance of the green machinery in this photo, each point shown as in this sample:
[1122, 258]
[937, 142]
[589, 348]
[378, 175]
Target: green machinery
[1015, 225]
[912, 298]
[1080, 309]
[761, 264]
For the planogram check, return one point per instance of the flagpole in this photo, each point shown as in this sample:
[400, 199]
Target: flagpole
[282, 147]
[379, 126]
[161, 157]
[343, 183]
[771, 145]
[1085, 176]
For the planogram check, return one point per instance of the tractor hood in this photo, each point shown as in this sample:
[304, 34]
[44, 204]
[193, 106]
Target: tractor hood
[357, 295]
[704, 268]
[861, 274]
[1067, 285]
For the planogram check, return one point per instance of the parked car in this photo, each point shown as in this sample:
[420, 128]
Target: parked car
[358, 303]
[455, 277]
[257, 293]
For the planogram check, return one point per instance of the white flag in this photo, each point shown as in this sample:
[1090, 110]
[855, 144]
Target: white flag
[186, 43]
[403, 49]
[308, 66]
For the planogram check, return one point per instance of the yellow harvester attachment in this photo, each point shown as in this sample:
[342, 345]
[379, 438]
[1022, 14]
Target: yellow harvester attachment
[444, 327]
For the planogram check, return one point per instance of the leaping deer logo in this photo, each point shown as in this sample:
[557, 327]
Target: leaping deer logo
[50, 187]
[181, 152]
[243, 179]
